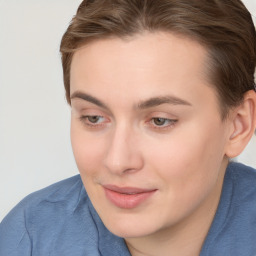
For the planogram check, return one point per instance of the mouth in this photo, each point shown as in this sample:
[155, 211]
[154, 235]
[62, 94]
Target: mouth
[127, 197]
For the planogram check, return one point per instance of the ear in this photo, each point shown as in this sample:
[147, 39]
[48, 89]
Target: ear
[243, 124]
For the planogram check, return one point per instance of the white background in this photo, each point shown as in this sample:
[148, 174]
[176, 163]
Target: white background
[35, 148]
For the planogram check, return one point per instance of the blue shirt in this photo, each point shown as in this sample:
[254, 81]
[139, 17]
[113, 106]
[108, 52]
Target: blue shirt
[60, 220]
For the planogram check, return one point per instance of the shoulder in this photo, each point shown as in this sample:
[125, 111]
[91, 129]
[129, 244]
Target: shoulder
[233, 231]
[236, 167]
[55, 212]
[243, 179]
[67, 190]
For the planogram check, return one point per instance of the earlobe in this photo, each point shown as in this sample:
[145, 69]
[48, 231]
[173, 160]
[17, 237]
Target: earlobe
[243, 125]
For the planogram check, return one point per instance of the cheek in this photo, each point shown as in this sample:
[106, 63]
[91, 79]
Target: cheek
[189, 158]
[188, 170]
[87, 149]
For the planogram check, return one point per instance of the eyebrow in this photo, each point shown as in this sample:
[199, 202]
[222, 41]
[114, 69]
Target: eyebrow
[89, 98]
[156, 101]
[152, 102]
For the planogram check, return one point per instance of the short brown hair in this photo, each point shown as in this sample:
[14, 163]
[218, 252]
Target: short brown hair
[224, 27]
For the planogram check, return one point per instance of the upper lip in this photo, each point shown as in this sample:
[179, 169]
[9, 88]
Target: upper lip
[127, 190]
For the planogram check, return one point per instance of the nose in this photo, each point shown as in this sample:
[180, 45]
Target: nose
[123, 154]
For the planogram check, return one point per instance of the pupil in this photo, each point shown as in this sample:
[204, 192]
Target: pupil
[159, 121]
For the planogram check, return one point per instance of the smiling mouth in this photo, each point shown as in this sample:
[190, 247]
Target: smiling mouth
[127, 197]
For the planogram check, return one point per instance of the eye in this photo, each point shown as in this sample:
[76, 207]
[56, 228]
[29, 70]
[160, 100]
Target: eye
[160, 122]
[93, 120]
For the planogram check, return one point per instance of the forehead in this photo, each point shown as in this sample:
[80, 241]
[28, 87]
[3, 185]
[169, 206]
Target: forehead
[143, 51]
[142, 66]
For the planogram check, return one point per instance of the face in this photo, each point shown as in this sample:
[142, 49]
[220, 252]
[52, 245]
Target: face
[146, 131]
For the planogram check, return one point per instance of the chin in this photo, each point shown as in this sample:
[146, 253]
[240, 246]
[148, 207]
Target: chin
[132, 232]
[131, 229]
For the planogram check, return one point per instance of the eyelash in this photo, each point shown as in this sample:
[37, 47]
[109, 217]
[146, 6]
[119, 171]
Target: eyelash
[170, 122]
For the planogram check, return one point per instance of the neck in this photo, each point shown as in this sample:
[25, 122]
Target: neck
[186, 238]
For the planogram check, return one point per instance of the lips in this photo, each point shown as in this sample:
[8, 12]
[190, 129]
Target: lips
[127, 197]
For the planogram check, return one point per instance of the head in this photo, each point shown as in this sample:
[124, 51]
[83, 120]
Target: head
[162, 96]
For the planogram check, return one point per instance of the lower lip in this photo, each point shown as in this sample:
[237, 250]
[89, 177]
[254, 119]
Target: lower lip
[127, 201]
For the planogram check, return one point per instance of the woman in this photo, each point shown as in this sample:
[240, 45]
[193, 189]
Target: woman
[162, 96]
